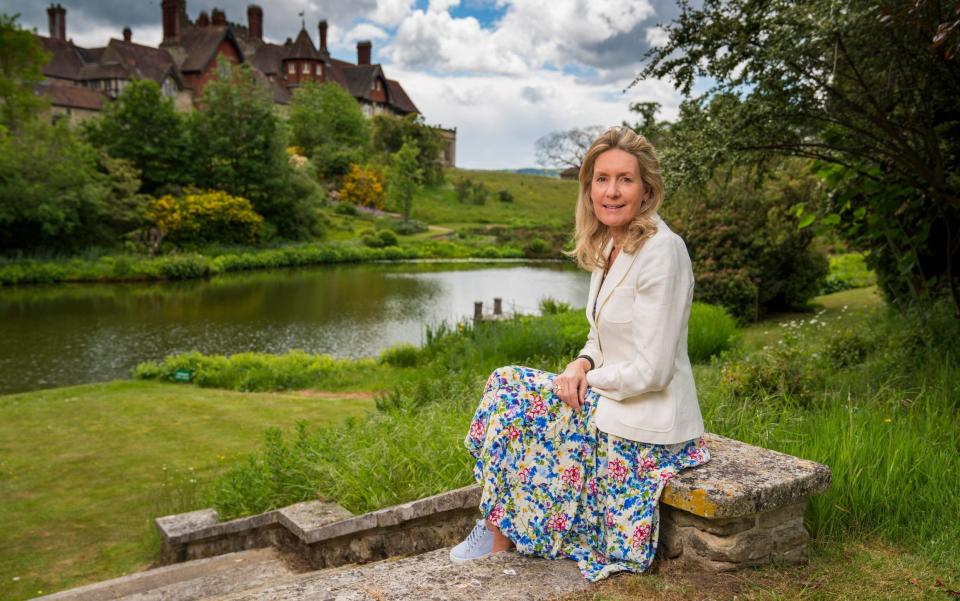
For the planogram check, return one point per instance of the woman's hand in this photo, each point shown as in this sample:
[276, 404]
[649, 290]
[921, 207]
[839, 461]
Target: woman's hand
[571, 385]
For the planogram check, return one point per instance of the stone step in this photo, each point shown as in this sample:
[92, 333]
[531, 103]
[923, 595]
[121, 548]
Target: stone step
[502, 577]
[189, 581]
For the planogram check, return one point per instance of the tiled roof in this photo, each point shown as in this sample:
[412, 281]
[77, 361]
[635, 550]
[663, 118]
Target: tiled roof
[360, 78]
[70, 96]
[303, 48]
[397, 96]
[267, 58]
[201, 44]
[66, 61]
[145, 61]
[106, 71]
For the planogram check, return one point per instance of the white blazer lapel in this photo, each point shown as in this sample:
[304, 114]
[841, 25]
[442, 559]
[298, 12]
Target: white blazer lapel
[621, 266]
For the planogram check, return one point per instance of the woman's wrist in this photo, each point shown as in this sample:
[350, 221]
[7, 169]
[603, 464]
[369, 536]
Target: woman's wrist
[586, 361]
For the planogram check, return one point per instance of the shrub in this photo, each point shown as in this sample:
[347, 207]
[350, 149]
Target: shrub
[363, 186]
[387, 237]
[710, 331]
[378, 239]
[470, 192]
[550, 306]
[204, 217]
[406, 228]
[847, 271]
[400, 355]
[505, 196]
[537, 247]
[847, 347]
[749, 253]
[346, 208]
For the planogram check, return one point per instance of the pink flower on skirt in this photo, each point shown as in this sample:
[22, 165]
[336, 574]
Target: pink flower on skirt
[611, 519]
[648, 463]
[558, 522]
[537, 406]
[496, 514]
[592, 485]
[640, 534]
[524, 474]
[571, 477]
[513, 432]
[476, 429]
[618, 470]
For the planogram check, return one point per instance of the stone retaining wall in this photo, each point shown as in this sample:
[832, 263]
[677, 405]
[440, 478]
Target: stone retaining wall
[744, 507]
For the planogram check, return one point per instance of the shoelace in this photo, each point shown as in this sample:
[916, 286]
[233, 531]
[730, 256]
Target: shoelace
[476, 535]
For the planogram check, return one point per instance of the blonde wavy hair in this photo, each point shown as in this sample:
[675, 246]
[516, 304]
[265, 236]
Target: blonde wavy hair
[590, 235]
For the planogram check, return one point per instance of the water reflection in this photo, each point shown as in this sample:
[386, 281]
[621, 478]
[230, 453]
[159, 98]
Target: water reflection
[70, 334]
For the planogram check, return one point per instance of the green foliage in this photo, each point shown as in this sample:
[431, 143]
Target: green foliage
[252, 371]
[21, 62]
[408, 227]
[52, 196]
[401, 355]
[742, 233]
[551, 306]
[240, 148]
[379, 239]
[538, 247]
[389, 133]
[869, 91]
[711, 330]
[471, 192]
[848, 270]
[142, 127]
[505, 196]
[327, 123]
[403, 178]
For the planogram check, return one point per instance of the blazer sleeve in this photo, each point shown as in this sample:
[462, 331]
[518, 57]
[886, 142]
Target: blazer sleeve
[591, 348]
[661, 307]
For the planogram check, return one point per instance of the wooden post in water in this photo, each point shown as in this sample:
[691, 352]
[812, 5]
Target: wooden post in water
[498, 306]
[477, 310]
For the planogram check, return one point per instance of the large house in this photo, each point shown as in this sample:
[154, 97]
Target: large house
[79, 81]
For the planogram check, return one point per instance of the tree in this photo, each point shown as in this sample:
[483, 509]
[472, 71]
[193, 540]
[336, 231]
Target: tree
[52, 197]
[560, 149]
[21, 63]
[403, 178]
[390, 133]
[142, 126]
[867, 89]
[326, 123]
[239, 145]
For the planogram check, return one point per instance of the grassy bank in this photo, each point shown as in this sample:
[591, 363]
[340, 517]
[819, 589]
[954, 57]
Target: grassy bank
[494, 230]
[85, 469]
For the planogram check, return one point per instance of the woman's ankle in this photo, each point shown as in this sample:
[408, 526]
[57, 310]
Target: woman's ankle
[500, 542]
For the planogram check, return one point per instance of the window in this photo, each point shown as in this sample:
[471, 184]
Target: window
[169, 87]
[305, 68]
[320, 69]
[291, 68]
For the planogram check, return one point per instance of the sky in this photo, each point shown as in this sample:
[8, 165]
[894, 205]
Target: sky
[502, 72]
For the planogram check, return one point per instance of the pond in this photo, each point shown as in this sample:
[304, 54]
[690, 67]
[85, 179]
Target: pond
[76, 333]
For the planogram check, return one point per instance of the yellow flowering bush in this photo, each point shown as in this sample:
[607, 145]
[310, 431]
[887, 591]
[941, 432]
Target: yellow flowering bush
[205, 216]
[363, 186]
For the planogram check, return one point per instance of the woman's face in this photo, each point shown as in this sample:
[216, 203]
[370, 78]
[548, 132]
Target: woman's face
[616, 190]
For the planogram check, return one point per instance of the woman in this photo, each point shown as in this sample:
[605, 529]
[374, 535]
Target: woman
[573, 465]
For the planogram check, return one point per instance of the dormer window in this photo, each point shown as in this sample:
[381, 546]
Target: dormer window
[292, 68]
[305, 68]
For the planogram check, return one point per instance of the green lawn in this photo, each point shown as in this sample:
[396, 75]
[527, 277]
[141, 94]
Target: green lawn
[83, 470]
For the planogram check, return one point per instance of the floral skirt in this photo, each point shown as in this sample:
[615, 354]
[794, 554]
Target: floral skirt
[558, 487]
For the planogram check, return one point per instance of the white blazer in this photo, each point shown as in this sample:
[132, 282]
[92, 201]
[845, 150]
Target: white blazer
[638, 343]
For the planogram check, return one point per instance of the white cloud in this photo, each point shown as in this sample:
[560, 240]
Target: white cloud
[657, 36]
[365, 31]
[498, 124]
[391, 13]
[442, 5]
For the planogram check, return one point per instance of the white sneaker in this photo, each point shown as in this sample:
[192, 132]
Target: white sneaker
[477, 545]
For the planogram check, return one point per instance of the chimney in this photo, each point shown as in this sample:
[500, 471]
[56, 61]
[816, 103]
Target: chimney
[127, 34]
[255, 22]
[323, 35]
[203, 19]
[218, 17]
[57, 18]
[363, 52]
[171, 21]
